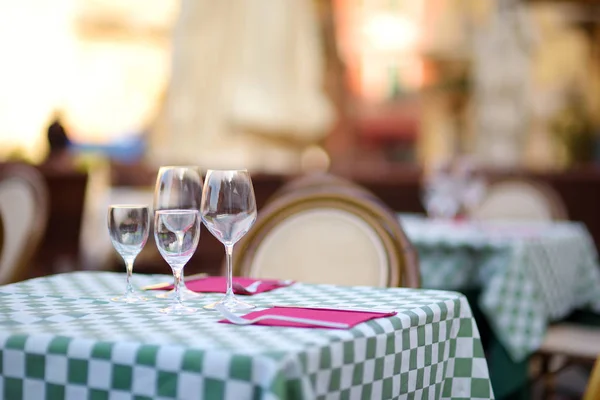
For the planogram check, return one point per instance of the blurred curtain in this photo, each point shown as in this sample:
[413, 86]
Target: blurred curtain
[247, 86]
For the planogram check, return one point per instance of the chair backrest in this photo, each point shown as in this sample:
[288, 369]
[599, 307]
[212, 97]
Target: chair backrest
[320, 237]
[24, 210]
[592, 391]
[325, 183]
[517, 199]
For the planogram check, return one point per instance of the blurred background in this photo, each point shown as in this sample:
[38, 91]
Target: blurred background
[378, 91]
[98, 94]
[383, 83]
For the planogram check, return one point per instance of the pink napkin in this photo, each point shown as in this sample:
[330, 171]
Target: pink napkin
[349, 317]
[218, 284]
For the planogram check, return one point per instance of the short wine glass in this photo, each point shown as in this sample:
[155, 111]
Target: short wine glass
[228, 210]
[176, 233]
[128, 227]
[178, 188]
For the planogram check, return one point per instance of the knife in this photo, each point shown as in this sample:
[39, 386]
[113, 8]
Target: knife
[164, 284]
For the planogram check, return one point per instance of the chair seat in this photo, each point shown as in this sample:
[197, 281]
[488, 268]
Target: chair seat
[572, 340]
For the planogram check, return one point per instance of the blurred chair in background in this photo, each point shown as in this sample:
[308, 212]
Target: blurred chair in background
[59, 250]
[326, 235]
[519, 199]
[593, 389]
[567, 344]
[24, 210]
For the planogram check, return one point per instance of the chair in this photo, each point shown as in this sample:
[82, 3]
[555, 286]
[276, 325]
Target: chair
[324, 183]
[323, 237]
[593, 388]
[59, 250]
[518, 199]
[24, 211]
[566, 344]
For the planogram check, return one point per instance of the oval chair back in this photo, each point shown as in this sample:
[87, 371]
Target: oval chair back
[24, 210]
[518, 199]
[316, 236]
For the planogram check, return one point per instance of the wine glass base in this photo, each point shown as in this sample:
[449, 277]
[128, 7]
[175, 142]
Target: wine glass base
[231, 303]
[129, 298]
[185, 293]
[178, 309]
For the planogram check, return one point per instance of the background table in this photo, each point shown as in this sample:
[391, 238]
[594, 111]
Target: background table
[62, 338]
[529, 273]
[520, 276]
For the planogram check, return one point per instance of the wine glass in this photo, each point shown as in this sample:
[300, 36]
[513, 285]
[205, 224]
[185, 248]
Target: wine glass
[228, 210]
[178, 188]
[128, 229]
[440, 193]
[176, 233]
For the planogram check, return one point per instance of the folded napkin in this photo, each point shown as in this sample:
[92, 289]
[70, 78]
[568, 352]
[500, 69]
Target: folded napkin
[218, 284]
[349, 317]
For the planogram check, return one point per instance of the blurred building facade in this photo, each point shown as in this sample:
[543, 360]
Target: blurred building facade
[206, 83]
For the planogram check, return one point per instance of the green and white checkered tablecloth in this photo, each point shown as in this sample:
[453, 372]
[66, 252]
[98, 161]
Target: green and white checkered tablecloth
[530, 274]
[60, 338]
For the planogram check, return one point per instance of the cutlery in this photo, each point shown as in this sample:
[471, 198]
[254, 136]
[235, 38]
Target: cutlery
[253, 287]
[237, 320]
[165, 284]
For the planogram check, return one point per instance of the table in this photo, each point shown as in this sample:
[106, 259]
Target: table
[518, 276]
[529, 273]
[61, 338]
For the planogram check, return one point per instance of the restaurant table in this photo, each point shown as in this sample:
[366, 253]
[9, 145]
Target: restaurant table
[526, 274]
[61, 337]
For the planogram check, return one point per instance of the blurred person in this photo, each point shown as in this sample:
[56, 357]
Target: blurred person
[59, 156]
[246, 88]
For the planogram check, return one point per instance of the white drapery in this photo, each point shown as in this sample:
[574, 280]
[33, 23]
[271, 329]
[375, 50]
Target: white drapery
[246, 86]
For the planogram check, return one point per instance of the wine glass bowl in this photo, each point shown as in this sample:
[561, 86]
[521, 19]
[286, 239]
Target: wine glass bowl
[177, 233]
[128, 227]
[228, 211]
[178, 188]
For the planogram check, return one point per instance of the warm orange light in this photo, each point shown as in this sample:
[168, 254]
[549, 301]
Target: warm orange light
[380, 43]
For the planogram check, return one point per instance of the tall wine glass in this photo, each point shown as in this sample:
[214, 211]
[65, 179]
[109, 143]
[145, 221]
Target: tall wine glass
[128, 228]
[228, 210]
[178, 188]
[177, 233]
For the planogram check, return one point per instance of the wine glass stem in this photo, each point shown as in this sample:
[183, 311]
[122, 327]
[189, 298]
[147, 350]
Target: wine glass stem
[180, 237]
[177, 276]
[229, 258]
[129, 268]
[181, 281]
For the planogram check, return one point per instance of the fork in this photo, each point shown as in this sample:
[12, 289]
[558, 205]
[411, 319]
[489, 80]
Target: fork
[253, 287]
[237, 320]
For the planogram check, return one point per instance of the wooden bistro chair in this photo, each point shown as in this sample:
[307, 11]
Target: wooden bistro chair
[24, 211]
[322, 182]
[593, 388]
[520, 199]
[324, 237]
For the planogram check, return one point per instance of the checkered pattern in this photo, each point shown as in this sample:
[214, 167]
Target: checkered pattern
[530, 273]
[60, 337]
